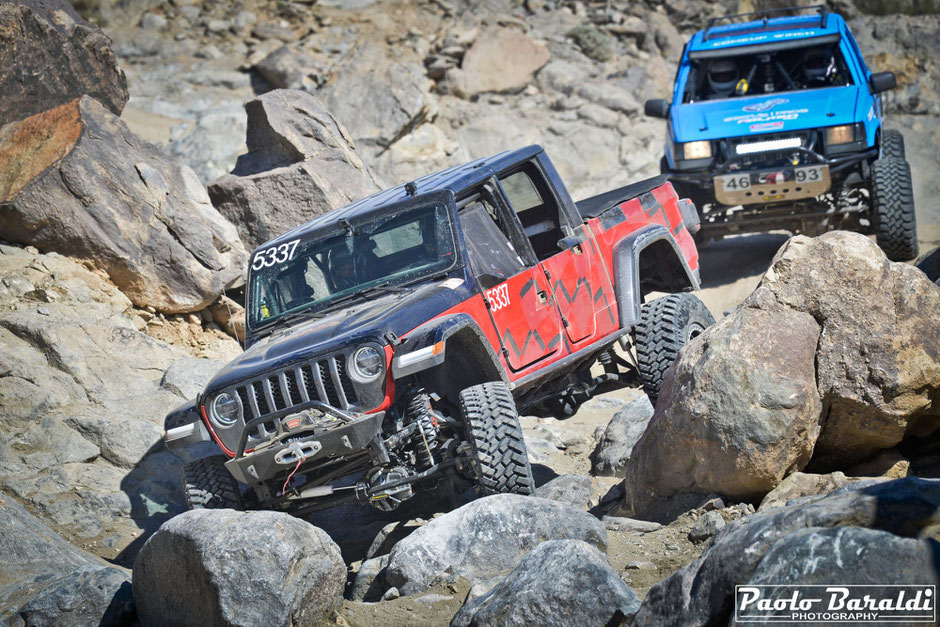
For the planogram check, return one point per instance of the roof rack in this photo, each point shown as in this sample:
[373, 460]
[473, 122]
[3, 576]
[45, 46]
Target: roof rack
[765, 15]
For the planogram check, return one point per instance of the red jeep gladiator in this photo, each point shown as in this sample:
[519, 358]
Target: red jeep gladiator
[391, 343]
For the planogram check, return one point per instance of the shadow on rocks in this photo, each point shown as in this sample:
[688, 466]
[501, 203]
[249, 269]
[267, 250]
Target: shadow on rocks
[155, 493]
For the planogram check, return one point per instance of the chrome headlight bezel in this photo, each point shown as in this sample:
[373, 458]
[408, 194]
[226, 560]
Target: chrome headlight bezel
[366, 364]
[224, 418]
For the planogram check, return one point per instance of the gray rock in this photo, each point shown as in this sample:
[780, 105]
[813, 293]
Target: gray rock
[88, 596]
[396, 88]
[51, 56]
[188, 376]
[301, 163]
[624, 430]
[369, 585]
[47, 581]
[703, 591]
[593, 42]
[31, 549]
[67, 376]
[575, 490]
[618, 523]
[484, 539]
[706, 526]
[143, 217]
[289, 67]
[561, 582]
[484, 67]
[801, 484]
[287, 571]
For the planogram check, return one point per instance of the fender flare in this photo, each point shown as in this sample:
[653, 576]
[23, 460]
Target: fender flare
[434, 333]
[626, 259]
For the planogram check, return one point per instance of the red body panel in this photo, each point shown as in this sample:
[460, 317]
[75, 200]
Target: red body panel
[582, 291]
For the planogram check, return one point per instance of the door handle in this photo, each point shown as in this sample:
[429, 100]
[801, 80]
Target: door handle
[543, 296]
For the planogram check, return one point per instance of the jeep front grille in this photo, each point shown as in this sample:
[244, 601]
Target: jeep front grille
[323, 380]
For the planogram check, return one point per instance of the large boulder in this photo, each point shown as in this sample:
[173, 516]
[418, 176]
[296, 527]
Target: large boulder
[301, 162]
[737, 414]
[47, 581]
[833, 358]
[878, 359]
[485, 539]
[51, 56]
[75, 180]
[561, 582]
[222, 567]
[485, 67]
[621, 435]
[864, 533]
[84, 391]
[379, 96]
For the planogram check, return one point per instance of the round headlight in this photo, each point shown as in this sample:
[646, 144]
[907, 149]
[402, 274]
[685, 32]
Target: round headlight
[224, 410]
[368, 363]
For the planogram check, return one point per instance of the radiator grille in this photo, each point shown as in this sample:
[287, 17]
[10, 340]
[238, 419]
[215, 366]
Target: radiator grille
[323, 380]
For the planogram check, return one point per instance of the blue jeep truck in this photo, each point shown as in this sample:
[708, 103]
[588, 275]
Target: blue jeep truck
[776, 122]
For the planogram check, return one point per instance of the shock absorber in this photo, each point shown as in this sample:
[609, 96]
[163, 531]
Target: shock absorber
[424, 440]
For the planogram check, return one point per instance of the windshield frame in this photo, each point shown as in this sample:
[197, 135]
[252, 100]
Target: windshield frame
[324, 228]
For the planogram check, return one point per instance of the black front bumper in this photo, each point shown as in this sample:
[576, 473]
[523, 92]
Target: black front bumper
[351, 435]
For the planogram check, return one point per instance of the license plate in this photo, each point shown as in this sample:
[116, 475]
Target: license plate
[746, 180]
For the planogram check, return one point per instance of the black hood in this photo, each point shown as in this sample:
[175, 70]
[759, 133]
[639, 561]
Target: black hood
[355, 323]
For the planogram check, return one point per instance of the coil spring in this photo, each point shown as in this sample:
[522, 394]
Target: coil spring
[425, 438]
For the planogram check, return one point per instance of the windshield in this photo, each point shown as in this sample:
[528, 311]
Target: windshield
[310, 273]
[771, 72]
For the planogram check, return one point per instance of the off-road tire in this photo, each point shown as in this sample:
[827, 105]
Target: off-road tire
[892, 144]
[666, 325]
[208, 485]
[893, 204]
[501, 461]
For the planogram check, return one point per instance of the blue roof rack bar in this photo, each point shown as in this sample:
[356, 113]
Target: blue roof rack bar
[765, 15]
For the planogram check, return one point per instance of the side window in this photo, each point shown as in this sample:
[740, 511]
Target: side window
[532, 201]
[492, 257]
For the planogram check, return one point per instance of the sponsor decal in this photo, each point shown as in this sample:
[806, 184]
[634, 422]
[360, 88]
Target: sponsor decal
[765, 116]
[835, 603]
[765, 126]
[765, 105]
[871, 113]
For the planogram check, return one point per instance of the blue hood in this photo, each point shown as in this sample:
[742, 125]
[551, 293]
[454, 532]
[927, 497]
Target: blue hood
[398, 312]
[771, 113]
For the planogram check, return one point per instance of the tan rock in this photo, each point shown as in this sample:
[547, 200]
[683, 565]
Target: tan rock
[889, 463]
[738, 413]
[878, 359]
[76, 181]
[501, 59]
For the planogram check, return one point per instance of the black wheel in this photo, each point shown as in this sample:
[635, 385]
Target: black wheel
[666, 325]
[208, 485]
[892, 144]
[893, 203]
[500, 458]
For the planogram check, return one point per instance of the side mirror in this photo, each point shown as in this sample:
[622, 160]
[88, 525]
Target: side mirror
[656, 108]
[882, 81]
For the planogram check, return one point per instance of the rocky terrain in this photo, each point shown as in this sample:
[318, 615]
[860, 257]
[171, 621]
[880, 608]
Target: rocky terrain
[138, 140]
